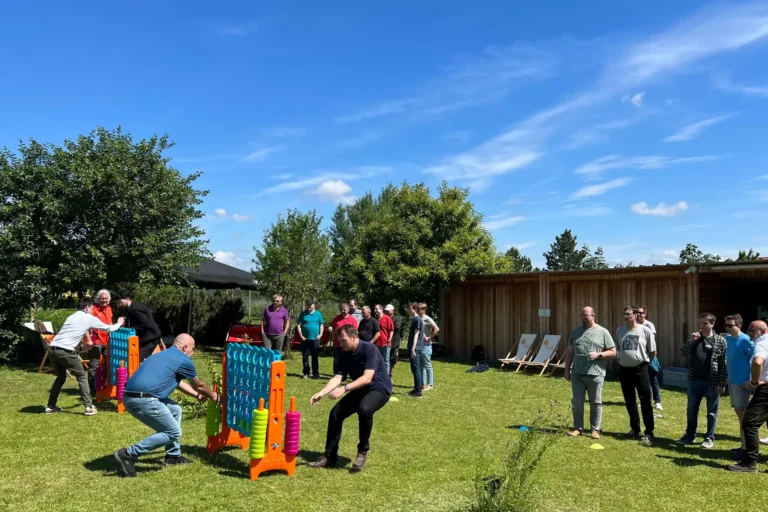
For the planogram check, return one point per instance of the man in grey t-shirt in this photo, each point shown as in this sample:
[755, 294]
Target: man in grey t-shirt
[636, 350]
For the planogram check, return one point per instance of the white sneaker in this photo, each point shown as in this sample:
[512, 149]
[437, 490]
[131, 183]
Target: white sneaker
[658, 406]
[52, 410]
[764, 440]
[90, 411]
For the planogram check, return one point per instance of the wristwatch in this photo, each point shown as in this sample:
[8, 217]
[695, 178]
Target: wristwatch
[600, 355]
[346, 387]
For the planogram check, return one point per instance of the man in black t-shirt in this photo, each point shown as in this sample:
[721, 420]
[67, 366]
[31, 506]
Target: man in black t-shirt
[368, 392]
[368, 329]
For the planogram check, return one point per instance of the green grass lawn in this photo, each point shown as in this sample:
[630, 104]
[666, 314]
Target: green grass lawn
[424, 453]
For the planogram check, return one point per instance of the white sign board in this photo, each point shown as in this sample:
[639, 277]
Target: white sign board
[545, 313]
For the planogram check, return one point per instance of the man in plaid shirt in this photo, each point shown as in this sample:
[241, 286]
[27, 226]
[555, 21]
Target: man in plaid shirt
[707, 376]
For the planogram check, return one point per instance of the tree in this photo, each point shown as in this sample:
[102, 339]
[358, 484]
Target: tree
[748, 255]
[520, 263]
[692, 255]
[563, 253]
[405, 244]
[294, 260]
[594, 261]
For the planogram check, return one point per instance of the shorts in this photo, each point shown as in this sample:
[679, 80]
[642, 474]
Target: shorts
[739, 396]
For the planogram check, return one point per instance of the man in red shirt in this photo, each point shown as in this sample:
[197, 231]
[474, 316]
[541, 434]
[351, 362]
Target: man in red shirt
[343, 318]
[385, 334]
[103, 311]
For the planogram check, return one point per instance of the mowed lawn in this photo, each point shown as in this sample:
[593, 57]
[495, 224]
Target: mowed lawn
[424, 453]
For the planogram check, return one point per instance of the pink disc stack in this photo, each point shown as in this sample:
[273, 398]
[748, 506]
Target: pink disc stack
[101, 377]
[292, 429]
[121, 378]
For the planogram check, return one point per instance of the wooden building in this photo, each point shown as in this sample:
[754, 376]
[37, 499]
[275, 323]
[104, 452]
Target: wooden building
[494, 310]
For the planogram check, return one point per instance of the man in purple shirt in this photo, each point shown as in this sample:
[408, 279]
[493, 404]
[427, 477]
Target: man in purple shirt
[275, 323]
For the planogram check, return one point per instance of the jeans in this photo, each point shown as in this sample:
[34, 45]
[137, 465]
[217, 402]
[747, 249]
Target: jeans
[427, 376]
[94, 357]
[364, 403]
[754, 417]
[653, 375]
[273, 341]
[61, 361]
[310, 347]
[164, 416]
[418, 383]
[636, 380]
[697, 390]
[337, 352]
[385, 355]
[592, 385]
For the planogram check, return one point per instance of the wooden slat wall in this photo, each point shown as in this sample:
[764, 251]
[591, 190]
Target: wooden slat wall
[495, 313]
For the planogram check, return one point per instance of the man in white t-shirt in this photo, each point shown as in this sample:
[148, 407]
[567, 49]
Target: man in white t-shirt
[757, 411]
[654, 368]
[636, 348]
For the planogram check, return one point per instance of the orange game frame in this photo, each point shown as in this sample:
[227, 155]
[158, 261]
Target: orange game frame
[110, 391]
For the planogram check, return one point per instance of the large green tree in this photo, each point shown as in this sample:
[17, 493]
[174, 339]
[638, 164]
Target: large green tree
[406, 243]
[692, 255]
[564, 254]
[294, 260]
[520, 263]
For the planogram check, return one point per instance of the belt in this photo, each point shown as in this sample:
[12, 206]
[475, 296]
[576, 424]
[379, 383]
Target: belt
[137, 394]
[64, 350]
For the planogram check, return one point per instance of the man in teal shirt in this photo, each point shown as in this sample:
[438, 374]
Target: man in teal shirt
[588, 348]
[311, 325]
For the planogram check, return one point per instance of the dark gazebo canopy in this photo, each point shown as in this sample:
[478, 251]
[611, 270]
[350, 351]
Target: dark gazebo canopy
[211, 274]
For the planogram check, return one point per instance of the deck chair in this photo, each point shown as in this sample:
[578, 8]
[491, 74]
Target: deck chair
[546, 357]
[45, 339]
[523, 351]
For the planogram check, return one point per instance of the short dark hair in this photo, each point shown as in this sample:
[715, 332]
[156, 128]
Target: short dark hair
[736, 319]
[349, 330]
[633, 309]
[125, 295]
[84, 303]
[709, 316]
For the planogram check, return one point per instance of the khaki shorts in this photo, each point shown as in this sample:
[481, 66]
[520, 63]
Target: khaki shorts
[739, 396]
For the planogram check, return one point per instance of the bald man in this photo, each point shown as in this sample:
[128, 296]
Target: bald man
[589, 347]
[146, 398]
[757, 410]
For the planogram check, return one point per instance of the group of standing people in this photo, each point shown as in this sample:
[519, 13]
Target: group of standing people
[714, 362]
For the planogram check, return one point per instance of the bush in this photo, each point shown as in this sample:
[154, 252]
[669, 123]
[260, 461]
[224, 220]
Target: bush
[57, 317]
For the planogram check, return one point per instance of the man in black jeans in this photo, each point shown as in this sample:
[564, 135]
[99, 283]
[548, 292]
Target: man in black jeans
[141, 320]
[757, 411]
[368, 392]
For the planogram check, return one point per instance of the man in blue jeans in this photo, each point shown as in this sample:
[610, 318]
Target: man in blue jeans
[146, 399]
[415, 346]
[707, 376]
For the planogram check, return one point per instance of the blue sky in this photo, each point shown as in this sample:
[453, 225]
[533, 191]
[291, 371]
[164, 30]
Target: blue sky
[639, 128]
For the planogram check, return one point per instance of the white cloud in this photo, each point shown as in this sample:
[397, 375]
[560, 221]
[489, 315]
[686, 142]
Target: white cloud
[337, 191]
[601, 188]
[598, 133]
[229, 258]
[472, 80]
[724, 83]
[240, 218]
[693, 130]
[220, 212]
[596, 167]
[502, 222]
[635, 99]
[660, 210]
[260, 155]
[597, 210]
[522, 246]
[764, 177]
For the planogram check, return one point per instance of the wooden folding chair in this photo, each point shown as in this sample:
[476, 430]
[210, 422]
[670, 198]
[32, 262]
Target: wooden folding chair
[547, 353]
[523, 351]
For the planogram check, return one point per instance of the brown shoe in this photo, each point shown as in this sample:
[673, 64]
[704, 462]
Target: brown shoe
[322, 462]
[359, 462]
[574, 433]
[595, 434]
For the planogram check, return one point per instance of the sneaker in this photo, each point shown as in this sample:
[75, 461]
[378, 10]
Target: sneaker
[647, 440]
[179, 460]
[764, 440]
[594, 434]
[52, 410]
[415, 394]
[126, 462]
[574, 433]
[359, 462]
[658, 406]
[90, 411]
[315, 377]
[708, 444]
[427, 388]
[739, 468]
[684, 440]
[305, 376]
[632, 433]
[323, 462]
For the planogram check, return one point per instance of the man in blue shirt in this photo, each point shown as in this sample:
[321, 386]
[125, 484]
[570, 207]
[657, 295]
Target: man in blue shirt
[368, 392]
[738, 352]
[146, 398]
[415, 347]
[310, 329]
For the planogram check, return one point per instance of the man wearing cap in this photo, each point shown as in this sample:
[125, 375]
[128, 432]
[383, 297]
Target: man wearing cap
[310, 330]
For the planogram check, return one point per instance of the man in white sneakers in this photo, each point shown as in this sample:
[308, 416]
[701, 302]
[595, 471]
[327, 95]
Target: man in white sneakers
[63, 354]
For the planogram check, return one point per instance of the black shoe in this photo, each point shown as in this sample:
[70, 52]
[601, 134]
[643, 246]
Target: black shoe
[315, 376]
[739, 468]
[632, 433]
[415, 394]
[359, 462]
[323, 462]
[126, 462]
[179, 460]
